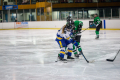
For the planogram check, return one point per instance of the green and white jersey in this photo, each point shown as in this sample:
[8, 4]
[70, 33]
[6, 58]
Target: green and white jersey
[77, 23]
[97, 20]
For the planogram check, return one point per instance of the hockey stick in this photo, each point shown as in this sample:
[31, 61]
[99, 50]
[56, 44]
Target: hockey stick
[85, 30]
[80, 32]
[86, 58]
[56, 60]
[111, 60]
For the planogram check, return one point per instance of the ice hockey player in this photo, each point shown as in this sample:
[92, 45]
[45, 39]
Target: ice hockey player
[70, 20]
[77, 30]
[98, 24]
[64, 40]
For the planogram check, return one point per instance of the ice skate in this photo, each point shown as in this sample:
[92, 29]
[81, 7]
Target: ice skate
[66, 53]
[76, 55]
[97, 37]
[62, 59]
[69, 57]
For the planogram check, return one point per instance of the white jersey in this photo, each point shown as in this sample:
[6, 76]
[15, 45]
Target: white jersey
[63, 33]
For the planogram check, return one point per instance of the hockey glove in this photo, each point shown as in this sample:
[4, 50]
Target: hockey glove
[79, 48]
[96, 25]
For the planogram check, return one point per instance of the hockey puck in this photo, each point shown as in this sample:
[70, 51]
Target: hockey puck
[55, 61]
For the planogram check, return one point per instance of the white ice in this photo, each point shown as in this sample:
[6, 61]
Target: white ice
[31, 55]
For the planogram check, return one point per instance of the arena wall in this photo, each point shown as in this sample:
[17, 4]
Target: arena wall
[109, 24]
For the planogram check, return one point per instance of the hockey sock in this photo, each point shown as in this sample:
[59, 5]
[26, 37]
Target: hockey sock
[69, 52]
[62, 52]
[65, 50]
[79, 48]
[97, 32]
[74, 51]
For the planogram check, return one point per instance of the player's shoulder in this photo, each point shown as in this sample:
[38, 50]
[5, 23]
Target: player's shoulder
[97, 17]
[76, 21]
[80, 22]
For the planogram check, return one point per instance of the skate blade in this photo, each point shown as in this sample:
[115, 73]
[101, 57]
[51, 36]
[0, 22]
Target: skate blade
[65, 61]
[76, 57]
[70, 60]
[96, 38]
[62, 61]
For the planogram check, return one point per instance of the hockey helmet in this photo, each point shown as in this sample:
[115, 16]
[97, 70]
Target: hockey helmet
[68, 26]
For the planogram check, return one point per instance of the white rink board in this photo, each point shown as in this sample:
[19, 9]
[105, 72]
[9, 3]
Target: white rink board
[52, 24]
[9, 25]
[110, 24]
[114, 24]
[1, 25]
[47, 24]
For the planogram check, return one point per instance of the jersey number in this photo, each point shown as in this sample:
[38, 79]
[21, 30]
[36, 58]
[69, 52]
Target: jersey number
[60, 43]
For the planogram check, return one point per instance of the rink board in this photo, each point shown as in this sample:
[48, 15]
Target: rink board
[55, 29]
[107, 24]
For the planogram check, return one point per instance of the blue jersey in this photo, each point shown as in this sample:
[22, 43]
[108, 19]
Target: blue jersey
[63, 37]
[64, 40]
[63, 34]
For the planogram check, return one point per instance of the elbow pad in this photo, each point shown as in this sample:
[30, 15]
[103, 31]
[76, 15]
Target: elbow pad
[75, 43]
[71, 41]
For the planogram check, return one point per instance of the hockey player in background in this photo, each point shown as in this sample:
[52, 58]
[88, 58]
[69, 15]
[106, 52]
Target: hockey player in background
[64, 40]
[98, 24]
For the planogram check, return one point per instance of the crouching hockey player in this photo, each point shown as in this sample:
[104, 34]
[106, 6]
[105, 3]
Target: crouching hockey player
[77, 30]
[64, 40]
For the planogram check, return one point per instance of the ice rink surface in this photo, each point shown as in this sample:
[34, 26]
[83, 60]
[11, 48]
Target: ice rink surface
[31, 55]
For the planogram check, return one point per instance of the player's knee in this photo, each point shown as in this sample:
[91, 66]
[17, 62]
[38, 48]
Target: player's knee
[70, 46]
[63, 48]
